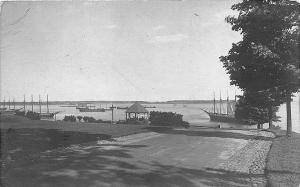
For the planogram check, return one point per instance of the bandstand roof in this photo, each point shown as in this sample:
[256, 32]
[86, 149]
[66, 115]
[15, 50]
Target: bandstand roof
[136, 108]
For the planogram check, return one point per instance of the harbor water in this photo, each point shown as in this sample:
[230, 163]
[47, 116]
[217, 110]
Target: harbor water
[191, 113]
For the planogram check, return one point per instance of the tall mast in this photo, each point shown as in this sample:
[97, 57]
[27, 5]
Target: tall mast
[32, 103]
[4, 102]
[214, 103]
[14, 103]
[9, 102]
[24, 104]
[40, 104]
[47, 105]
[112, 113]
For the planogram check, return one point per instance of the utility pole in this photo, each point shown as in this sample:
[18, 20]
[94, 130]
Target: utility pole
[32, 103]
[112, 113]
[14, 104]
[40, 104]
[220, 103]
[24, 104]
[214, 103]
[47, 105]
[8, 102]
[4, 102]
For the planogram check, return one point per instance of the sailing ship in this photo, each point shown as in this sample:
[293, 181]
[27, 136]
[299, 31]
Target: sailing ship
[122, 108]
[46, 115]
[226, 116]
[90, 108]
[9, 110]
[3, 108]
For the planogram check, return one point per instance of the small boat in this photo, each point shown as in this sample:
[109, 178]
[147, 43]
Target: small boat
[90, 108]
[8, 112]
[3, 109]
[149, 106]
[122, 108]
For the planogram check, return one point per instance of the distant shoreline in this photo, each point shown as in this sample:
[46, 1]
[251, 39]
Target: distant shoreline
[119, 102]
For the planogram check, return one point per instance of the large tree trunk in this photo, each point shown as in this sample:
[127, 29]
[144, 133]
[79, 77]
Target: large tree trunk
[270, 111]
[288, 115]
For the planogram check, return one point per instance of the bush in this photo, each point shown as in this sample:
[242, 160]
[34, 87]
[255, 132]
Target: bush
[166, 119]
[85, 119]
[79, 118]
[33, 115]
[90, 119]
[185, 124]
[70, 118]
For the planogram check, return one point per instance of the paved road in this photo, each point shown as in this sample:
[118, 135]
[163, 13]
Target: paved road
[172, 158]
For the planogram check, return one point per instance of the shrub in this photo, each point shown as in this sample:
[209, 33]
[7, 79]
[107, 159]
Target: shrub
[85, 119]
[89, 119]
[185, 124]
[70, 118]
[166, 119]
[79, 118]
[33, 115]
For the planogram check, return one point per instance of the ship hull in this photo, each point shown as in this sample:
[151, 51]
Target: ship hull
[224, 118]
[8, 112]
[3, 109]
[46, 115]
[91, 110]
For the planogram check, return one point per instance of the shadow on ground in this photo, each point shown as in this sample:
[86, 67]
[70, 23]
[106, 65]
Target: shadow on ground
[112, 164]
[23, 144]
[219, 133]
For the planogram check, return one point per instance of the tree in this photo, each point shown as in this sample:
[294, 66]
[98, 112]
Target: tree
[253, 107]
[79, 118]
[267, 59]
[85, 118]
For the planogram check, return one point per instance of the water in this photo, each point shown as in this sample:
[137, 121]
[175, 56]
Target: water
[191, 113]
[295, 115]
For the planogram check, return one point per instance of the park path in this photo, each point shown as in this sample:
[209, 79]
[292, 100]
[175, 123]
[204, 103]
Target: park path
[182, 157]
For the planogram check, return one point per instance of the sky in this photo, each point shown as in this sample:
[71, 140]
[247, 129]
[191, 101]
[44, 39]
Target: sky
[116, 50]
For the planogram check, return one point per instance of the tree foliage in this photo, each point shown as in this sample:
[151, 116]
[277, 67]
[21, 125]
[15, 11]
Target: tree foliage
[254, 108]
[79, 118]
[267, 60]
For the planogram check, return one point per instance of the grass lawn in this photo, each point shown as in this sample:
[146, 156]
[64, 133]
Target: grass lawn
[283, 162]
[22, 140]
